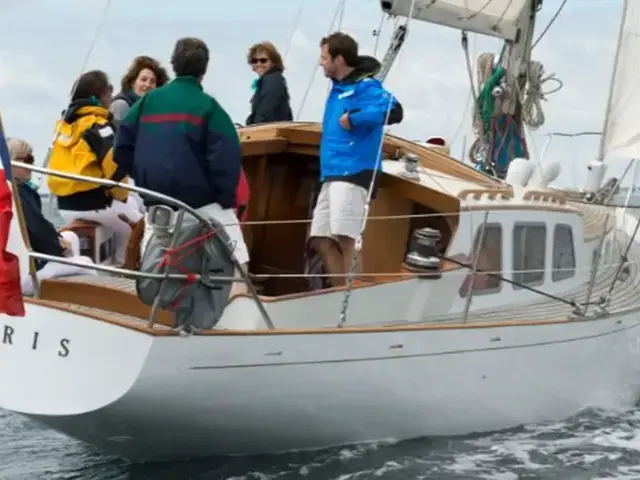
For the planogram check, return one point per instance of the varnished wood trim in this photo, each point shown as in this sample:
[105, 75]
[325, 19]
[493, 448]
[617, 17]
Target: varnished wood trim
[263, 146]
[160, 332]
[101, 297]
[310, 150]
[360, 283]
[106, 318]
[310, 134]
[313, 293]
[394, 328]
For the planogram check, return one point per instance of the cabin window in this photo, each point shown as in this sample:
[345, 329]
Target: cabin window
[529, 251]
[489, 261]
[564, 257]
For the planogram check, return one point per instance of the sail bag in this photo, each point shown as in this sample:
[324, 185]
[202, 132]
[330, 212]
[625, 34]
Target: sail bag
[199, 250]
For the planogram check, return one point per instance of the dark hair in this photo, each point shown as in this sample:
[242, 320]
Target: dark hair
[91, 84]
[141, 63]
[271, 51]
[341, 44]
[190, 57]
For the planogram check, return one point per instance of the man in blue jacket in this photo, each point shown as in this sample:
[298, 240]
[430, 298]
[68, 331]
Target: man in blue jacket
[352, 128]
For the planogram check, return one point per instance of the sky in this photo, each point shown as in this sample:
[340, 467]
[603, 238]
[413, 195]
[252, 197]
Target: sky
[46, 44]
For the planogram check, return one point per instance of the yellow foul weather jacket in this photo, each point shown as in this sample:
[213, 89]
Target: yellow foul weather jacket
[84, 146]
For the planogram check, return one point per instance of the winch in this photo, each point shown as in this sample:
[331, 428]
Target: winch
[423, 254]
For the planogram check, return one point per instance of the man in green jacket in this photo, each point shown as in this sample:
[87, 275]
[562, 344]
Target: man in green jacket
[178, 141]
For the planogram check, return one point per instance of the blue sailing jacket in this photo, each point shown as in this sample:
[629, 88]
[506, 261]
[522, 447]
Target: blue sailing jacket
[347, 152]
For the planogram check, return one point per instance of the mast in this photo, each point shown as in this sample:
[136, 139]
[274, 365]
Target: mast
[616, 59]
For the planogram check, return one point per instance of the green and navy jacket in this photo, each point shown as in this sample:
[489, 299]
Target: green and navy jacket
[178, 141]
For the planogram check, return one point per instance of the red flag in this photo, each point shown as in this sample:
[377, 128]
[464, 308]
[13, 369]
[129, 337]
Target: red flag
[242, 197]
[11, 300]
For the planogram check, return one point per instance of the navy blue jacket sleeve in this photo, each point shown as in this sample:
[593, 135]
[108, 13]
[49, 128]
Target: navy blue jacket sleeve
[396, 114]
[272, 92]
[43, 236]
[372, 104]
[222, 157]
[125, 141]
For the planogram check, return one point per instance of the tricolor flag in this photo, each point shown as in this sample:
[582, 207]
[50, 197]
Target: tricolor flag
[11, 301]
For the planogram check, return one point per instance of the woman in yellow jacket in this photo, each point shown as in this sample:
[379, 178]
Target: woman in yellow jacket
[84, 146]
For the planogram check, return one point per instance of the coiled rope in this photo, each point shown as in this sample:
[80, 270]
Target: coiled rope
[497, 98]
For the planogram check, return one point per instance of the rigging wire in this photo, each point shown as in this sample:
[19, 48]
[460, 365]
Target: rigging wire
[372, 184]
[470, 97]
[571, 303]
[296, 21]
[551, 22]
[377, 33]
[83, 67]
[336, 15]
[339, 29]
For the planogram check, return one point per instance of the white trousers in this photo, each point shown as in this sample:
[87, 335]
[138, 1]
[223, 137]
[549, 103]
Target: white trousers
[110, 220]
[227, 217]
[339, 210]
[135, 198]
[56, 270]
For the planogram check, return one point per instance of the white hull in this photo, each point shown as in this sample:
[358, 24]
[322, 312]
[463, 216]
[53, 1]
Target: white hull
[148, 398]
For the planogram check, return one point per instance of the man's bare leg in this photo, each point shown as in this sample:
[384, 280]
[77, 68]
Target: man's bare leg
[332, 258]
[348, 246]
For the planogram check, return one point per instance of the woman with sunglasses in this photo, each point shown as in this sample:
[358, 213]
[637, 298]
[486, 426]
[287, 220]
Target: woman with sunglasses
[270, 101]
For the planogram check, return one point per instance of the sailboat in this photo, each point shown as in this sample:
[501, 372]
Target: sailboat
[483, 304]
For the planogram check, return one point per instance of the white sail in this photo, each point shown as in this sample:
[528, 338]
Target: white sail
[621, 135]
[498, 18]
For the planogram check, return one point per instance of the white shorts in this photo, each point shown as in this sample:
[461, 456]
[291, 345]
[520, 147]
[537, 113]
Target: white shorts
[228, 219]
[339, 210]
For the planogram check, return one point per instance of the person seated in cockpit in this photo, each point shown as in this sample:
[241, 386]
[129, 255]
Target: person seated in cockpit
[43, 236]
[84, 146]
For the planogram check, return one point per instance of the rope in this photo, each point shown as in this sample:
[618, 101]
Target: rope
[497, 98]
[359, 240]
[551, 22]
[92, 45]
[174, 257]
[472, 94]
[497, 273]
[377, 33]
[336, 15]
[296, 21]
[533, 96]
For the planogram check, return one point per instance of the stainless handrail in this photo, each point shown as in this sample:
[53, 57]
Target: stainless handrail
[125, 272]
[159, 196]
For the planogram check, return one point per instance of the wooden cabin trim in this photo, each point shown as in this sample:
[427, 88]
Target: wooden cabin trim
[164, 332]
[309, 134]
[302, 139]
[264, 146]
[102, 317]
[101, 297]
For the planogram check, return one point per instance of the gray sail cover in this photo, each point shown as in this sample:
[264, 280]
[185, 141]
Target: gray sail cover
[195, 304]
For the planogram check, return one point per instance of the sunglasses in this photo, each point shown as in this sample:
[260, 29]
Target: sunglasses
[26, 159]
[259, 60]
